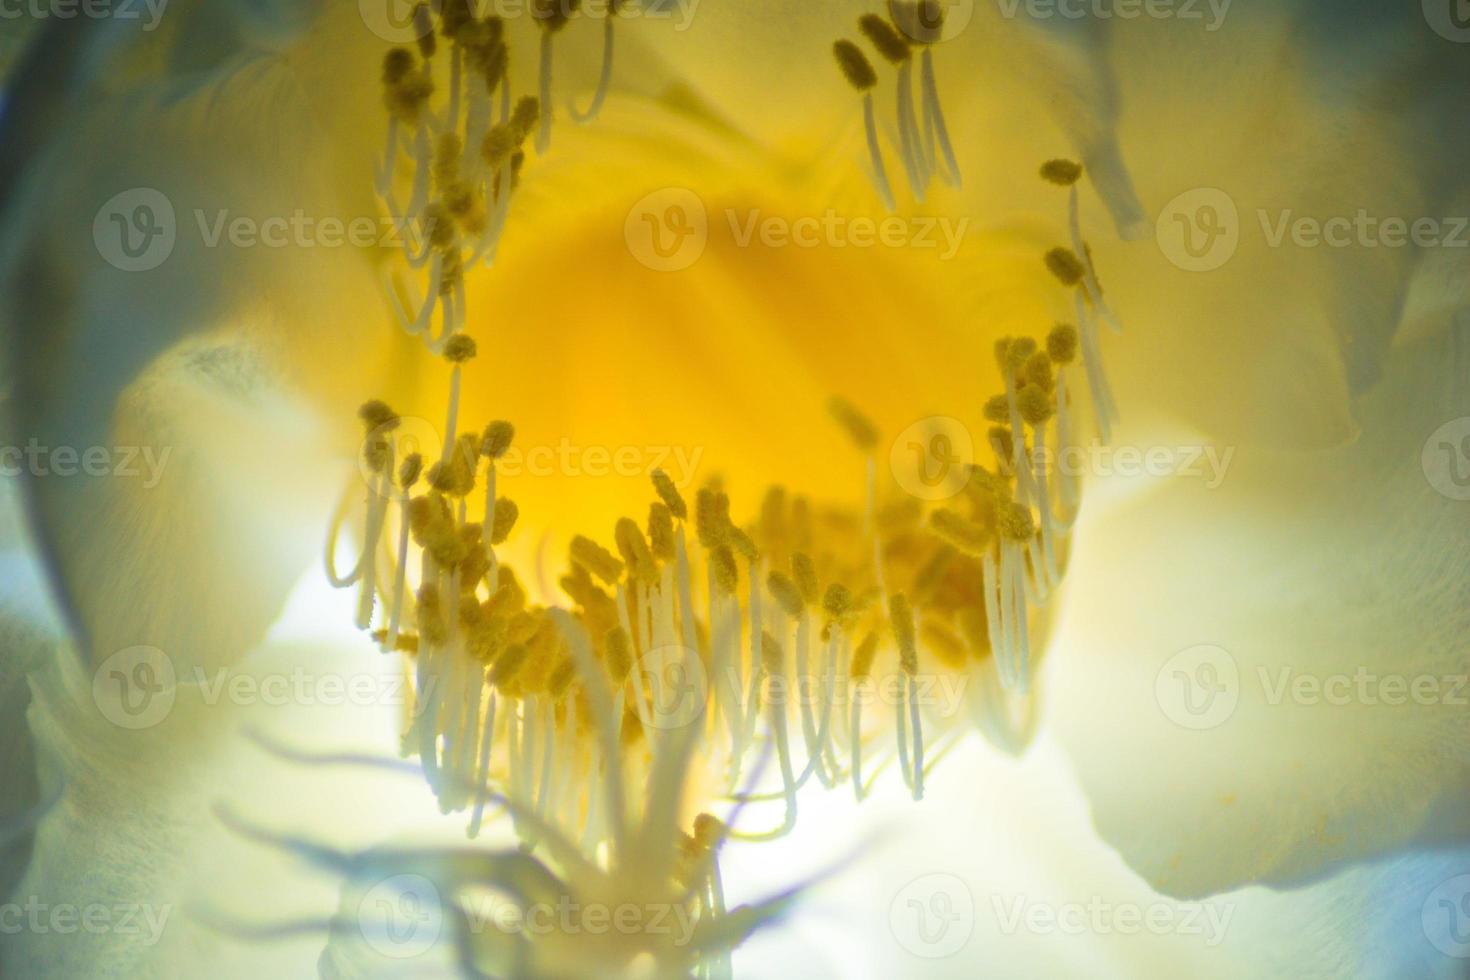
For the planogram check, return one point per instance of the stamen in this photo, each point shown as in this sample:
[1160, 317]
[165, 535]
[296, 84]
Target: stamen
[901, 617]
[895, 50]
[604, 77]
[861, 76]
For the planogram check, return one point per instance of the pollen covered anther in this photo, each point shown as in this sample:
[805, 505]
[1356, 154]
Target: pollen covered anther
[860, 75]
[1063, 173]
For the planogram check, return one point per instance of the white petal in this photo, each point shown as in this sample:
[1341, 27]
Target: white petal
[1342, 571]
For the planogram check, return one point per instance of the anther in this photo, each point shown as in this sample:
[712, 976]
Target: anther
[1063, 173]
[669, 494]
[596, 559]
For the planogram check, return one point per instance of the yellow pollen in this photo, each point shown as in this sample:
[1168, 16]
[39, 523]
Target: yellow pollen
[726, 573]
[1016, 523]
[596, 559]
[998, 410]
[1018, 352]
[397, 64]
[497, 438]
[1038, 371]
[1063, 173]
[773, 659]
[742, 544]
[862, 657]
[506, 513]
[1036, 405]
[855, 65]
[661, 531]
[619, 654]
[430, 618]
[954, 529]
[634, 549]
[508, 665]
[785, 593]
[889, 42]
[459, 348]
[1061, 343]
[711, 516]
[1065, 265]
[669, 494]
[837, 603]
[410, 470]
[377, 415]
[805, 574]
[901, 615]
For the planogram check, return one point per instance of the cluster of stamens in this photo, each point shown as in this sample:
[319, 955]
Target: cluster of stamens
[464, 150]
[923, 136]
[670, 654]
